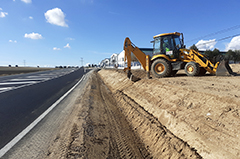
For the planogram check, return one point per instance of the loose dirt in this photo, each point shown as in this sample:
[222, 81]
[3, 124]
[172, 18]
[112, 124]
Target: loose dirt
[110, 124]
[175, 117]
[201, 111]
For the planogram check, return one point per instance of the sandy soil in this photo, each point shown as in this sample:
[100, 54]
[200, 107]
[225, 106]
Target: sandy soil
[96, 129]
[112, 125]
[175, 117]
[201, 111]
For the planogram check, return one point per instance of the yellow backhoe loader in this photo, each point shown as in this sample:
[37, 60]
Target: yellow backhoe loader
[170, 55]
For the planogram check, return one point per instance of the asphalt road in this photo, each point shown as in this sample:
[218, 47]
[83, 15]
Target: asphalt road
[24, 97]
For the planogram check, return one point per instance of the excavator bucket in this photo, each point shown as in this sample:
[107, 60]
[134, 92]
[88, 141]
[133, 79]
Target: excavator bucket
[224, 69]
[132, 77]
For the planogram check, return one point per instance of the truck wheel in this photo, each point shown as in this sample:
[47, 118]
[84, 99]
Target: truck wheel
[192, 69]
[161, 68]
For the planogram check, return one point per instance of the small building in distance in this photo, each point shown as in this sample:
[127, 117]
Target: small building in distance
[117, 60]
[105, 62]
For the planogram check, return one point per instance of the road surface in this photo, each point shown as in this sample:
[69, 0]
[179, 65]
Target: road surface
[24, 97]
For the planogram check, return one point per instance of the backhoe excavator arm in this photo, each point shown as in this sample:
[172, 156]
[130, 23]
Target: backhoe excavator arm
[129, 48]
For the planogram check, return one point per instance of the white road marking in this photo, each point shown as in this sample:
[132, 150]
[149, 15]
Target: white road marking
[29, 79]
[15, 140]
[5, 88]
[32, 79]
[17, 83]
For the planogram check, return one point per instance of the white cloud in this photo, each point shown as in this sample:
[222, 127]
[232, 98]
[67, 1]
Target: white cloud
[55, 48]
[33, 36]
[11, 41]
[27, 1]
[3, 14]
[67, 46]
[56, 16]
[30, 17]
[206, 44]
[234, 44]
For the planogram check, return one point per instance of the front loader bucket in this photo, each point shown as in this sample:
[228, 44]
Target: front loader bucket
[224, 69]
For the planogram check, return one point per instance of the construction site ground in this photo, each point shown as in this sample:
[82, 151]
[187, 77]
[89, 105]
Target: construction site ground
[174, 117]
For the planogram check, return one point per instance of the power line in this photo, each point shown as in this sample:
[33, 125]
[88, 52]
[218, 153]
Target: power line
[215, 33]
[220, 39]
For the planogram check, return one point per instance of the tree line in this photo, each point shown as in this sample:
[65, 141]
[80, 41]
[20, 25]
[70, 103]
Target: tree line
[233, 55]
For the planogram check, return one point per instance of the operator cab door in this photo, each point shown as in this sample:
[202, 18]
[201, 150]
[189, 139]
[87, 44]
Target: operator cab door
[166, 45]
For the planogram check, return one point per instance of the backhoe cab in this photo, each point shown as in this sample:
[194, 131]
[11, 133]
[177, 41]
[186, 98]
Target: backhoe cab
[168, 44]
[170, 55]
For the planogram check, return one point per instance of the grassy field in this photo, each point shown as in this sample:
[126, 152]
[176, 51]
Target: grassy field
[4, 71]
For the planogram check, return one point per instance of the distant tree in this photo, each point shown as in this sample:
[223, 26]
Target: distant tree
[233, 55]
[237, 55]
[208, 53]
[194, 47]
[230, 55]
[212, 55]
[216, 52]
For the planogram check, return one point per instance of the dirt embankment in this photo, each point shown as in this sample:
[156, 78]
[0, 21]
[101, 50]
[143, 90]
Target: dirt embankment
[107, 125]
[201, 111]
[97, 129]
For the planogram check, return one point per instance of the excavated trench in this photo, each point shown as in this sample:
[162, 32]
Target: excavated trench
[178, 117]
[118, 127]
[189, 117]
[159, 141]
[152, 118]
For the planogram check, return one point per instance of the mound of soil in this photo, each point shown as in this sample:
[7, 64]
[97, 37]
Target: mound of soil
[201, 112]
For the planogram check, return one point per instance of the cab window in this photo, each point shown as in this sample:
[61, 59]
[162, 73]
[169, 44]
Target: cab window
[177, 41]
[167, 43]
[156, 47]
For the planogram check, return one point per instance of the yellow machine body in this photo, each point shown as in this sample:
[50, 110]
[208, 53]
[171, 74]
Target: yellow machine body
[167, 62]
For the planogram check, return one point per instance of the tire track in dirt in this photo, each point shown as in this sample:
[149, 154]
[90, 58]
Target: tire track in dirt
[105, 133]
[160, 142]
[202, 111]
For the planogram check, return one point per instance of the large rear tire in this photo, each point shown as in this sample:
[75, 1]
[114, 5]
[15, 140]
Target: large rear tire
[161, 68]
[192, 69]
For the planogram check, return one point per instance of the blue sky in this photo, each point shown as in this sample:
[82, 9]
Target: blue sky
[61, 32]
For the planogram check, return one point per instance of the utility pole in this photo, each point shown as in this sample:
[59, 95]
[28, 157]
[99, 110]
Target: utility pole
[82, 61]
[24, 63]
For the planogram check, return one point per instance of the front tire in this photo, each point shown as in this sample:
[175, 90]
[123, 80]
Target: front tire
[192, 69]
[161, 68]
